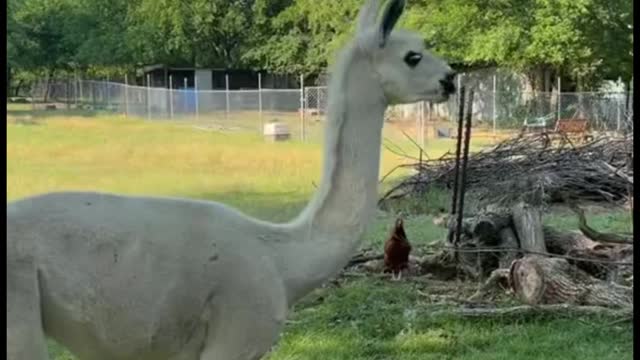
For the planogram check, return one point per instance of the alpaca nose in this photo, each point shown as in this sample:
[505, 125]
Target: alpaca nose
[447, 83]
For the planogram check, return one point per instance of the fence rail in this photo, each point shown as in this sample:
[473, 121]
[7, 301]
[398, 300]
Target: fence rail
[306, 106]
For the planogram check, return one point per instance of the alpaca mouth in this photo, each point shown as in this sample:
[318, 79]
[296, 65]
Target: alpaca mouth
[448, 89]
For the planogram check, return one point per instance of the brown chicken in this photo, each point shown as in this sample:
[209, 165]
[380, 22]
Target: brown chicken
[396, 251]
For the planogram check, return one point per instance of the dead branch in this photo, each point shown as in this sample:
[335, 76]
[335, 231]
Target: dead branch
[527, 310]
[596, 235]
[491, 283]
[595, 171]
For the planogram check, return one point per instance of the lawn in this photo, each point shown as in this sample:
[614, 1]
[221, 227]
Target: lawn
[360, 319]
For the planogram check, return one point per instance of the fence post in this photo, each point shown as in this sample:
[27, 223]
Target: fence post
[106, 92]
[80, 82]
[495, 112]
[422, 124]
[75, 88]
[618, 115]
[93, 94]
[559, 98]
[260, 102]
[67, 90]
[171, 96]
[185, 94]
[148, 97]
[197, 94]
[126, 95]
[452, 119]
[302, 124]
[226, 95]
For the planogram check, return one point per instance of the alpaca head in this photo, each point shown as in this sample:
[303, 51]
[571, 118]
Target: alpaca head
[406, 71]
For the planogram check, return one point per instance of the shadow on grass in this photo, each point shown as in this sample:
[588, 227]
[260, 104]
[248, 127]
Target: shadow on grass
[43, 114]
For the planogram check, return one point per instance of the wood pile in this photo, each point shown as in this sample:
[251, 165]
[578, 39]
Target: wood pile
[600, 170]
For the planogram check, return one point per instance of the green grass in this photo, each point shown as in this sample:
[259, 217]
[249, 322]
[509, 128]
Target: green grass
[361, 319]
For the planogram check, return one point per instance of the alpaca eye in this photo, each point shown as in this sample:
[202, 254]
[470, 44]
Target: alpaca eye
[412, 58]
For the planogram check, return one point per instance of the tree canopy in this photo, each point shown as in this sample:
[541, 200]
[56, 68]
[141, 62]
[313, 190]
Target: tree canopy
[580, 39]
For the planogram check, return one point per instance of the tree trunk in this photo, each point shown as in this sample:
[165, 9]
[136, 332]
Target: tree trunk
[538, 280]
[8, 80]
[16, 91]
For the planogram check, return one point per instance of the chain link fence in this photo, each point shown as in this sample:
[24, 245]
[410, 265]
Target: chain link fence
[304, 110]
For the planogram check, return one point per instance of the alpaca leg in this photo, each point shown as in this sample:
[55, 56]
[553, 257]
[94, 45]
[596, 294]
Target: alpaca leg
[242, 334]
[247, 316]
[25, 337]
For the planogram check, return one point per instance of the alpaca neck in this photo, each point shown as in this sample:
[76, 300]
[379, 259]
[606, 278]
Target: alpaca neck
[333, 223]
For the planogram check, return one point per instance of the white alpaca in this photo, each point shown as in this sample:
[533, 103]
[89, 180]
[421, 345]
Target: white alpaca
[148, 278]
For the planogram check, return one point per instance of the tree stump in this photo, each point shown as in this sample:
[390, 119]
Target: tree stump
[527, 221]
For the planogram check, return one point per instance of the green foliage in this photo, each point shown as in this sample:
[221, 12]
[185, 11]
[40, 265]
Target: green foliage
[582, 39]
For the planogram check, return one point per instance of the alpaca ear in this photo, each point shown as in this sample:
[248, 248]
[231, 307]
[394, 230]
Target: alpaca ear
[368, 15]
[390, 17]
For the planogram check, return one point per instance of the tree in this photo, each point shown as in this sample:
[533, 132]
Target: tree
[304, 35]
[199, 32]
[533, 36]
[586, 40]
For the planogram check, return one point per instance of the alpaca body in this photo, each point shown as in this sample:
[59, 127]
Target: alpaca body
[147, 278]
[148, 287]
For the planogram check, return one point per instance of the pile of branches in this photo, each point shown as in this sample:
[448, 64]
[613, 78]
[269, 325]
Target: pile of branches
[600, 170]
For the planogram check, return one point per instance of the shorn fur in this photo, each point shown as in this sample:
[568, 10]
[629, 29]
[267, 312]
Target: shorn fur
[154, 278]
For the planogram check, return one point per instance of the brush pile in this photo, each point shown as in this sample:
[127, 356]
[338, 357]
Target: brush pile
[600, 170]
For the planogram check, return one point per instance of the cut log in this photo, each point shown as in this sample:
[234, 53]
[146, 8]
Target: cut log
[578, 245]
[485, 226]
[540, 280]
[561, 242]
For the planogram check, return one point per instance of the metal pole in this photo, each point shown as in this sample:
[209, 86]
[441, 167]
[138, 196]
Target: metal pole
[67, 90]
[126, 95]
[197, 94]
[148, 97]
[80, 88]
[456, 174]
[495, 112]
[184, 95]
[171, 96]
[106, 92]
[75, 88]
[302, 132]
[422, 124]
[559, 98]
[260, 102]
[226, 95]
[618, 115]
[463, 173]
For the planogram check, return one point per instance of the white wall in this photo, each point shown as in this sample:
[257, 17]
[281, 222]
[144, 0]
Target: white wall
[204, 79]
